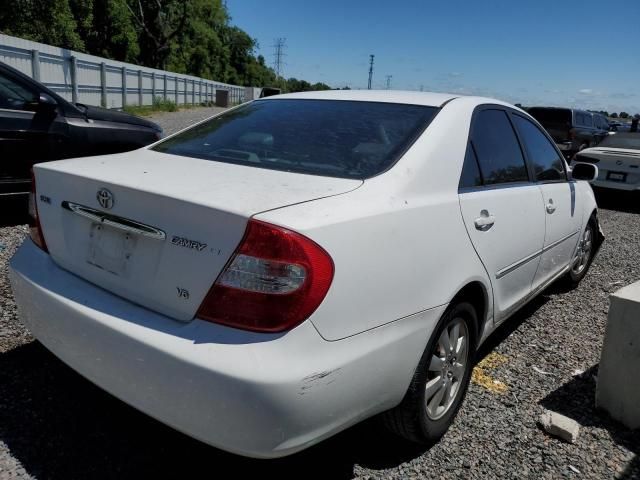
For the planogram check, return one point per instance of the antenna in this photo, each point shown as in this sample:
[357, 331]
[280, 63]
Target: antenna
[278, 60]
[371, 57]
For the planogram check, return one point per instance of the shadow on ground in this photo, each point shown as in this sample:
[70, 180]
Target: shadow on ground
[61, 426]
[576, 399]
[621, 201]
[13, 211]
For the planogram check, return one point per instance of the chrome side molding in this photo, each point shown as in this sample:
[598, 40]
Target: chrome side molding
[115, 221]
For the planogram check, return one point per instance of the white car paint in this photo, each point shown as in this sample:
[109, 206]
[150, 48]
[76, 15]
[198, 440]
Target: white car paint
[403, 244]
[623, 162]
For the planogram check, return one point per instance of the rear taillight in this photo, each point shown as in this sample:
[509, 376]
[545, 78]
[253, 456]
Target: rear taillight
[35, 229]
[276, 279]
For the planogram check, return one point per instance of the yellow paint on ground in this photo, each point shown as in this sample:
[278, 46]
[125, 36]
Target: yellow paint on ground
[479, 376]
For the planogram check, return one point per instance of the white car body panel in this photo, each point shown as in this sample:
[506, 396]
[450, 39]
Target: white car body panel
[244, 392]
[612, 161]
[563, 211]
[401, 253]
[205, 206]
[511, 265]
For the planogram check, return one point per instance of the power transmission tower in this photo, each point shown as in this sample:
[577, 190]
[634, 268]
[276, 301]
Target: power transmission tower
[278, 55]
[371, 57]
[388, 77]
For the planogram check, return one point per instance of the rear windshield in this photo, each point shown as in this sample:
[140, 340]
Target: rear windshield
[551, 116]
[334, 138]
[622, 140]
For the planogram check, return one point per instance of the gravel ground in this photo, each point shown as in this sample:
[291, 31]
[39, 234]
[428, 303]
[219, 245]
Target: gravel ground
[172, 122]
[55, 424]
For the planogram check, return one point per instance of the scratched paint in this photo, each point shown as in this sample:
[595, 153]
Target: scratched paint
[319, 379]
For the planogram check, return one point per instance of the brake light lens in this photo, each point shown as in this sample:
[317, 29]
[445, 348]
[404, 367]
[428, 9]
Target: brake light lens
[35, 229]
[276, 279]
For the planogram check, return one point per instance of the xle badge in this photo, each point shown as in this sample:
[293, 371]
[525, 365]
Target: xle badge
[185, 242]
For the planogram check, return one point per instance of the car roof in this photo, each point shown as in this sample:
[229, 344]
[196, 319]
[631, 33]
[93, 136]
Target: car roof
[387, 96]
[550, 108]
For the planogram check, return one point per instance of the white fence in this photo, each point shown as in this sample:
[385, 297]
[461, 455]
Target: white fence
[92, 80]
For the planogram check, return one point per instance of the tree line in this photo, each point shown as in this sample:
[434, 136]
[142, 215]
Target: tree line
[194, 37]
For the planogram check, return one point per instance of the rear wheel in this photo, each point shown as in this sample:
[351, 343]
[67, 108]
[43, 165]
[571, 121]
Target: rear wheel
[441, 379]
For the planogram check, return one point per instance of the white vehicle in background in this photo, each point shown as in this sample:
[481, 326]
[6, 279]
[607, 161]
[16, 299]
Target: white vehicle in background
[618, 160]
[295, 265]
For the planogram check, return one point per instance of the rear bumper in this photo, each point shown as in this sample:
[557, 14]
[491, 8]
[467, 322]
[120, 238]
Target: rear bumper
[259, 395]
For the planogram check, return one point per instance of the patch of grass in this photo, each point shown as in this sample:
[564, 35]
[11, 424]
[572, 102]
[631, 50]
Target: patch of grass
[159, 105]
[480, 375]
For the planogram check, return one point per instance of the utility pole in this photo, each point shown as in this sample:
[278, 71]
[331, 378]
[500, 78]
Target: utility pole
[388, 77]
[278, 60]
[371, 57]
[422, 88]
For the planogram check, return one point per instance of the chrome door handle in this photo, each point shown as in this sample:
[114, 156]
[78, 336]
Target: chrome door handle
[485, 221]
[550, 206]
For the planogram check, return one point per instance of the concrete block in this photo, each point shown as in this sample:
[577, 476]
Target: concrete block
[560, 426]
[618, 390]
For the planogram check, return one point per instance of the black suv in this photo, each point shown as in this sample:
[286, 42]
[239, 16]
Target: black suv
[38, 125]
[571, 129]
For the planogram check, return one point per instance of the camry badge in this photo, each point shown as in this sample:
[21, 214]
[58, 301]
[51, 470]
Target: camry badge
[185, 242]
[105, 198]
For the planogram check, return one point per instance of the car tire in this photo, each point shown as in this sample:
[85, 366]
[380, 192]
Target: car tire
[583, 256]
[439, 382]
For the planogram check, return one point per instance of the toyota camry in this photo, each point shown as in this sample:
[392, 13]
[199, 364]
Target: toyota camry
[294, 265]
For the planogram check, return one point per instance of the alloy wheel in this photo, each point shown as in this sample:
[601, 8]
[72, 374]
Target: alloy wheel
[583, 252]
[447, 369]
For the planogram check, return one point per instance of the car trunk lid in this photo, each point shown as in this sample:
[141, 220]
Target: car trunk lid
[158, 229]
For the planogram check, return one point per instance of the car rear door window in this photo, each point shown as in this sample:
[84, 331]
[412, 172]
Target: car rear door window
[587, 120]
[496, 146]
[545, 159]
[470, 170]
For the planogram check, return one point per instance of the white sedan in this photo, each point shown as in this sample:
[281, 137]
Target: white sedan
[297, 264]
[618, 161]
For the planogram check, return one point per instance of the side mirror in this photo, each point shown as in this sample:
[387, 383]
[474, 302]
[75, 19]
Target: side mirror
[46, 103]
[584, 171]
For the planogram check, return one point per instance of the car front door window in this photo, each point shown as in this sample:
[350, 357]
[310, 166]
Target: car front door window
[547, 163]
[14, 96]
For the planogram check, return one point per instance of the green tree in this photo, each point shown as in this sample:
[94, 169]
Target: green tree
[187, 36]
[158, 23]
[614, 115]
[624, 115]
[107, 28]
[41, 21]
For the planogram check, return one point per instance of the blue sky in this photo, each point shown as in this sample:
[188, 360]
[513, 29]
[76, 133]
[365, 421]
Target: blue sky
[566, 52]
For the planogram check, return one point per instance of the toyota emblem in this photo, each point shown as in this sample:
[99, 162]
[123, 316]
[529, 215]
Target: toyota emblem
[105, 198]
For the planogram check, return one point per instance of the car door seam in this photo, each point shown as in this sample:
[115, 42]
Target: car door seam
[504, 271]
